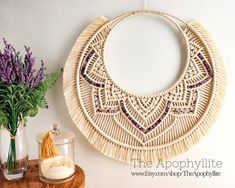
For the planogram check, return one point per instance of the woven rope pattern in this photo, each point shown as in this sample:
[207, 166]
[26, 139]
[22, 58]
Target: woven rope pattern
[125, 126]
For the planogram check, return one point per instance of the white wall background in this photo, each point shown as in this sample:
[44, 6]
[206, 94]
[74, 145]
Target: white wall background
[51, 27]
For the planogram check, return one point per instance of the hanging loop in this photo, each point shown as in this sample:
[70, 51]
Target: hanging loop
[146, 4]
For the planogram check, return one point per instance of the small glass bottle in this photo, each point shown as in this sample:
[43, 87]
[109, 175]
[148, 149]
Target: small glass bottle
[60, 167]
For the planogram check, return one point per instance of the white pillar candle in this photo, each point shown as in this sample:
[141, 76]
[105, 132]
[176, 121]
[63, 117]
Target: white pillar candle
[57, 168]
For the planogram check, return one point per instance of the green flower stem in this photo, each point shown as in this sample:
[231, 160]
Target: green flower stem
[11, 160]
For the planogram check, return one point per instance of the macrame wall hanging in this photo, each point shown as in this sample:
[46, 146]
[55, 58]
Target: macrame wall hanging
[127, 127]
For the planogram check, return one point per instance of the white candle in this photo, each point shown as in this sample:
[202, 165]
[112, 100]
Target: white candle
[57, 168]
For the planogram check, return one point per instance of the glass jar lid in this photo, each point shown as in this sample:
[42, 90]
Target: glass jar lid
[58, 136]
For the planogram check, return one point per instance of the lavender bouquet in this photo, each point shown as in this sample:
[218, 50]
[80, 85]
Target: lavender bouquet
[22, 92]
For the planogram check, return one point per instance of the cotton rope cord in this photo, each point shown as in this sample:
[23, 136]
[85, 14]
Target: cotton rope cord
[125, 126]
[12, 137]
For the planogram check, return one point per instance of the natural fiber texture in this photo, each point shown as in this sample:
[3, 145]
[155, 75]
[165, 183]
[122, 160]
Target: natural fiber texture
[126, 126]
[48, 149]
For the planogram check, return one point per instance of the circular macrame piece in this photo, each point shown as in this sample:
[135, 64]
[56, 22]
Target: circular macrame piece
[125, 126]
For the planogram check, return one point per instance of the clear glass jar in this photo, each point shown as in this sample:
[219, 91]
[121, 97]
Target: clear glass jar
[59, 168]
[13, 153]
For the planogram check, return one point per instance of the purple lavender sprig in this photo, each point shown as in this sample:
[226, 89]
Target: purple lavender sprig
[8, 60]
[14, 69]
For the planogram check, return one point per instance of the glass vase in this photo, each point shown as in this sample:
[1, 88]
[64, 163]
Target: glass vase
[13, 153]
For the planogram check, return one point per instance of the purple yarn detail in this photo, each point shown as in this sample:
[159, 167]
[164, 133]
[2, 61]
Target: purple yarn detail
[209, 72]
[83, 71]
[154, 125]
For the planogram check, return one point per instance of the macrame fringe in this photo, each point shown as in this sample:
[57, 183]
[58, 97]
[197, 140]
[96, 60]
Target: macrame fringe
[124, 154]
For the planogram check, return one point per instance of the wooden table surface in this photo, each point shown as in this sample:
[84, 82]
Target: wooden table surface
[31, 179]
